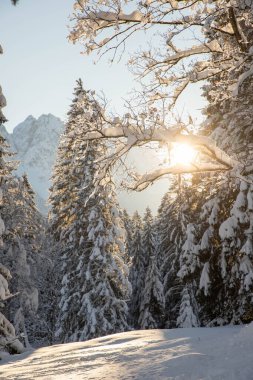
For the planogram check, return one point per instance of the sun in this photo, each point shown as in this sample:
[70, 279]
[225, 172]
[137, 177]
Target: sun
[182, 154]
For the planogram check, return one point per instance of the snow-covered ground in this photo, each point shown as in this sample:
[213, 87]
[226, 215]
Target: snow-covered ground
[181, 354]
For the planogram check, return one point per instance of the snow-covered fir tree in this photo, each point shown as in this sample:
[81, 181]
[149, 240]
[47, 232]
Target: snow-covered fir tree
[85, 221]
[138, 268]
[177, 210]
[152, 295]
[189, 264]
[101, 269]
[128, 227]
[74, 170]
[23, 239]
[8, 340]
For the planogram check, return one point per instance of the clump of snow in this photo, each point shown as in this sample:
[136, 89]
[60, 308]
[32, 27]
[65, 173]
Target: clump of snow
[205, 279]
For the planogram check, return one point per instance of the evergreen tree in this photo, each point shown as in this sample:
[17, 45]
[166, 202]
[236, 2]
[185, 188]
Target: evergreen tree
[8, 340]
[105, 288]
[169, 236]
[152, 294]
[73, 171]
[138, 268]
[23, 241]
[128, 227]
[66, 179]
[176, 212]
[84, 221]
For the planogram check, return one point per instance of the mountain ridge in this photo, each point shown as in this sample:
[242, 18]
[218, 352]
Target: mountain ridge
[34, 142]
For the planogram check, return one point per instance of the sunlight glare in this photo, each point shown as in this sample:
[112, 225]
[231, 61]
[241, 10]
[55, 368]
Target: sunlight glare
[182, 154]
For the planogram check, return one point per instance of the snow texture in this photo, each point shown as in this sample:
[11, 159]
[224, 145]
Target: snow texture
[182, 354]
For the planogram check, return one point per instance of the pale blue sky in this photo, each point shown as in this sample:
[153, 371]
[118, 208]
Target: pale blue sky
[39, 66]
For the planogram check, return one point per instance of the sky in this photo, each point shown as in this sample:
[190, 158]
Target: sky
[39, 67]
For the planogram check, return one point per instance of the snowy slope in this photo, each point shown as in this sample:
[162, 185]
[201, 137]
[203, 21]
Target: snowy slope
[222, 353]
[35, 141]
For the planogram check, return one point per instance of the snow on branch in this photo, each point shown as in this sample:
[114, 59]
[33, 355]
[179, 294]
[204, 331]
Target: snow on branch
[92, 18]
[147, 179]
[128, 136]
[171, 135]
[201, 49]
[241, 79]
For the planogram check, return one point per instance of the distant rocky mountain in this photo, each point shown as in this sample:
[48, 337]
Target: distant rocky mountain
[35, 143]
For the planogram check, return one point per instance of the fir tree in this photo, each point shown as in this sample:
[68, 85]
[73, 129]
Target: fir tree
[9, 341]
[128, 226]
[78, 208]
[23, 241]
[138, 268]
[105, 287]
[175, 214]
[169, 236]
[152, 294]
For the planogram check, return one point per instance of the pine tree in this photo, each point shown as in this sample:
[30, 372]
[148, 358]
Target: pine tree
[73, 171]
[8, 339]
[177, 213]
[23, 240]
[169, 237]
[152, 294]
[128, 226]
[105, 288]
[78, 208]
[138, 268]
[65, 177]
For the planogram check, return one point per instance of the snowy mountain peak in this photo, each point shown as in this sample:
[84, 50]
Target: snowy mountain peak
[29, 118]
[35, 141]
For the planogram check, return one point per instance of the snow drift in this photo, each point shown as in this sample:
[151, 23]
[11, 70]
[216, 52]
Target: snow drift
[181, 354]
